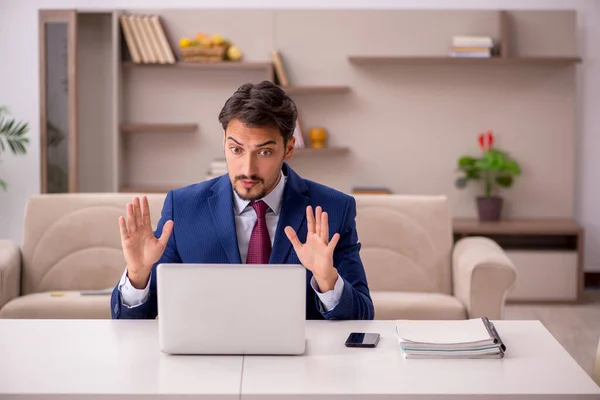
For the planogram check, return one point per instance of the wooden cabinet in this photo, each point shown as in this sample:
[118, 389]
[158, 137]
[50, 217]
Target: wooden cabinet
[546, 252]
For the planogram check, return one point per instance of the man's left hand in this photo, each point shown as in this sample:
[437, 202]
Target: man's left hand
[317, 253]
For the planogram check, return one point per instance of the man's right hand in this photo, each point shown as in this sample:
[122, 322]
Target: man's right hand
[140, 247]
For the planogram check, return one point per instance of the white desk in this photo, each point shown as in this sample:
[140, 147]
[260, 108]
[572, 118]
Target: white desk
[118, 359]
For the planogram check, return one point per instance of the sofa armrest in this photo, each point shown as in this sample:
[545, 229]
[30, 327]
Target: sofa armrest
[482, 276]
[10, 271]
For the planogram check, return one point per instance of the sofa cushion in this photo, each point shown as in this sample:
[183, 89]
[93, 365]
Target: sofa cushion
[406, 242]
[411, 305]
[72, 241]
[69, 305]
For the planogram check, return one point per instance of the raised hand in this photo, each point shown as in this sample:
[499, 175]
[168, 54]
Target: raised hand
[317, 253]
[140, 247]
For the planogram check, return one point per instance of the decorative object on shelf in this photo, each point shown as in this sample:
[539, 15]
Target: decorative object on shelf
[204, 48]
[146, 39]
[472, 47]
[12, 136]
[281, 77]
[495, 169]
[298, 135]
[318, 137]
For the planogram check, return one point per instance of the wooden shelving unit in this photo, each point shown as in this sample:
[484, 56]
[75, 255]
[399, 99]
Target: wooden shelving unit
[147, 189]
[162, 128]
[547, 226]
[316, 89]
[307, 151]
[436, 60]
[503, 58]
[225, 65]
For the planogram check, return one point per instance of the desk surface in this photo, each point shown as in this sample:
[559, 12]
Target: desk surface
[41, 358]
[535, 365]
[105, 357]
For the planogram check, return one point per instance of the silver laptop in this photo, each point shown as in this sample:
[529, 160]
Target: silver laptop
[231, 308]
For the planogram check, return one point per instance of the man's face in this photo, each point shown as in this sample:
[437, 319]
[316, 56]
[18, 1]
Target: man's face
[254, 158]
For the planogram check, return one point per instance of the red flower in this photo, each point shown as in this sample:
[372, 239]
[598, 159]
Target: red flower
[486, 140]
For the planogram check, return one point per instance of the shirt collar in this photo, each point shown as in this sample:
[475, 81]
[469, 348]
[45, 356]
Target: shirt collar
[273, 199]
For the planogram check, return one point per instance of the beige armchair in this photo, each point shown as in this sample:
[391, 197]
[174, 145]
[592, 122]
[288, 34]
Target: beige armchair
[71, 245]
[415, 271]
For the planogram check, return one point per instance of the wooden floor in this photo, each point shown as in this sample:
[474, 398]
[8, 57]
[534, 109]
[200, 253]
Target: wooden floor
[576, 327]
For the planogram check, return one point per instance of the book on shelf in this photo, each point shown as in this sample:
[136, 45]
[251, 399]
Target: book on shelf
[140, 38]
[456, 54]
[163, 41]
[470, 338]
[130, 40]
[472, 47]
[281, 77]
[152, 40]
[473, 41]
[146, 39]
[371, 190]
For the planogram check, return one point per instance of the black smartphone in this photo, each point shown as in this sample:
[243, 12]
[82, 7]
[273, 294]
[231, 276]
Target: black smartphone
[360, 339]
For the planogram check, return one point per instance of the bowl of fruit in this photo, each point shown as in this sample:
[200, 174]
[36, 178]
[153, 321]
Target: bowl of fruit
[205, 48]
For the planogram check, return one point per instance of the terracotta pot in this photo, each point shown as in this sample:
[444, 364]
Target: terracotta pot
[489, 208]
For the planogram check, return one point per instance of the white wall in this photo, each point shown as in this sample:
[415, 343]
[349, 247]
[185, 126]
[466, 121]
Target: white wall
[19, 83]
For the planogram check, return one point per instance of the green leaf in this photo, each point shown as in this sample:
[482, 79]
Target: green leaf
[513, 167]
[482, 164]
[2, 184]
[504, 180]
[464, 162]
[461, 182]
[495, 160]
[473, 174]
[13, 133]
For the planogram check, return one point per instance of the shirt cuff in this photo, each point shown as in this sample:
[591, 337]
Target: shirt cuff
[329, 299]
[130, 296]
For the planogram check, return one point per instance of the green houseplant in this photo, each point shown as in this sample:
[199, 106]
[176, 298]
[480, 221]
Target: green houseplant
[494, 169]
[12, 136]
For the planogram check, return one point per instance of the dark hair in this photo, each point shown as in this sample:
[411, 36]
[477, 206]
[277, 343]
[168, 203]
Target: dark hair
[261, 104]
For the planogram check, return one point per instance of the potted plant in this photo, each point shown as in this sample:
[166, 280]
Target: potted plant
[494, 170]
[12, 136]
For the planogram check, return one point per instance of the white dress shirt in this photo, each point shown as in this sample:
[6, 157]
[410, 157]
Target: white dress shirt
[245, 218]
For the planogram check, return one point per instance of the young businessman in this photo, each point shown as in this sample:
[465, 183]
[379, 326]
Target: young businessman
[260, 212]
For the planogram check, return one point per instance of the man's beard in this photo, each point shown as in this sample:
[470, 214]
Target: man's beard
[245, 195]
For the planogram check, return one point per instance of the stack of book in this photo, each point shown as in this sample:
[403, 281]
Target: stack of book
[371, 190]
[472, 46]
[146, 39]
[471, 338]
[218, 167]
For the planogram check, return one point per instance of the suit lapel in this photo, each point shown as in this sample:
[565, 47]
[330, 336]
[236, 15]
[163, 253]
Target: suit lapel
[293, 213]
[221, 211]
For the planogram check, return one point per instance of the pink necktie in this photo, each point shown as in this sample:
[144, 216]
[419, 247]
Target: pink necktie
[259, 248]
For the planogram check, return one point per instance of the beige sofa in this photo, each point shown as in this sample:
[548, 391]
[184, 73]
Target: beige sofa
[72, 245]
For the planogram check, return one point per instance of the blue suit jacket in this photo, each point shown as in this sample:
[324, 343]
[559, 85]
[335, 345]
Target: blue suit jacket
[204, 232]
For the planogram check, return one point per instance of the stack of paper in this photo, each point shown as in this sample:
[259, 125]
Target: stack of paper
[217, 168]
[472, 338]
